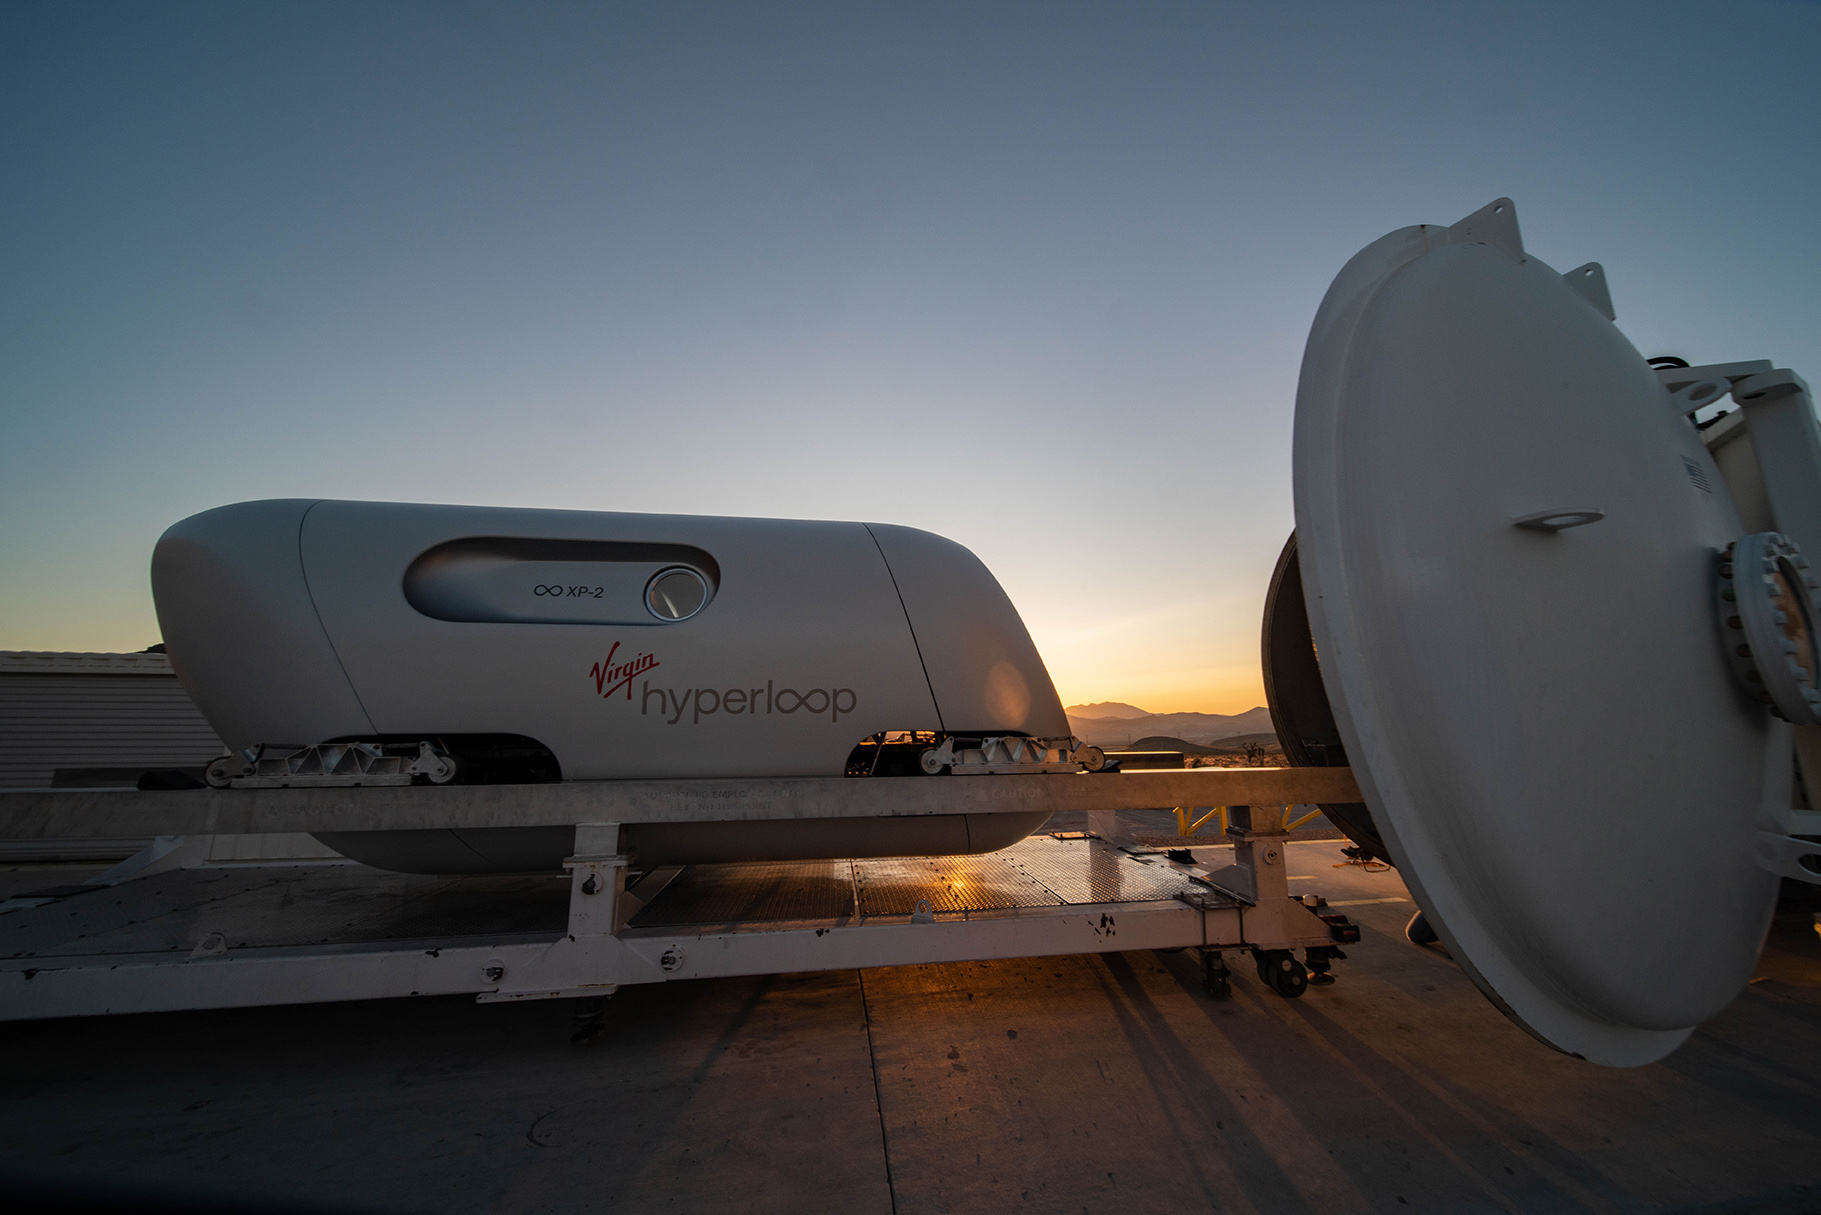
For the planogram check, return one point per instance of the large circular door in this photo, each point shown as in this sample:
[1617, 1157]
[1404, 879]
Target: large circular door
[1509, 542]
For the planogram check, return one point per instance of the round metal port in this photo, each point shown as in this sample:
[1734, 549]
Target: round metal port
[676, 594]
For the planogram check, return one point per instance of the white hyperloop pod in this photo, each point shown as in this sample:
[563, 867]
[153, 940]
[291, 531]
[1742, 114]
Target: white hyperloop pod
[1549, 602]
[347, 643]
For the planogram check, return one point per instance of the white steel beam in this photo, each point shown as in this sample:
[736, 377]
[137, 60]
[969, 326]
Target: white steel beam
[89, 813]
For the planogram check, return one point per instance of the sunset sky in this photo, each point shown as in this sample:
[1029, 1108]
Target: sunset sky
[1033, 277]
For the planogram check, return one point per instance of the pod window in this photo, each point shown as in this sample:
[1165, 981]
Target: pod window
[508, 580]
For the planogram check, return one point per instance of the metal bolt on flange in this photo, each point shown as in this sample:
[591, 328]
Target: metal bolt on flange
[1767, 592]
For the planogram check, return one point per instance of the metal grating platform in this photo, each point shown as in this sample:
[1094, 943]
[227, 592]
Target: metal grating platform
[1038, 872]
[759, 893]
[284, 905]
[223, 936]
[1088, 871]
[279, 906]
[948, 883]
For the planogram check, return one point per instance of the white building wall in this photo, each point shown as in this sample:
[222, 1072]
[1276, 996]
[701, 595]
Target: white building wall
[95, 711]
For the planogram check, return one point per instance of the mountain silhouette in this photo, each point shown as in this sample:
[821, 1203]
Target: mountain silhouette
[1204, 729]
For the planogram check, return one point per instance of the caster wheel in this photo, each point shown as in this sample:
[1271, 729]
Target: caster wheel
[1288, 977]
[1267, 960]
[590, 1019]
[1215, 977]
[1419, 932]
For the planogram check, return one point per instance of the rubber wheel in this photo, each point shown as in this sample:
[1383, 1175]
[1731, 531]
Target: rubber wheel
[1289, 978]
[1418, 931]
[216, 775]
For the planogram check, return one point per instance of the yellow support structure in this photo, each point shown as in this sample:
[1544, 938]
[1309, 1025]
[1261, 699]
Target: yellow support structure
[1185, 827]
[1291, 826]
[1186, 824]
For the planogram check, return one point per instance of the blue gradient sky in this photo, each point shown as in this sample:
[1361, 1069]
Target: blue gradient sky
[1036, 278]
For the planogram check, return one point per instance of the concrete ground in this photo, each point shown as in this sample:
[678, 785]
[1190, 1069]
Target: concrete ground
[1092, 1083]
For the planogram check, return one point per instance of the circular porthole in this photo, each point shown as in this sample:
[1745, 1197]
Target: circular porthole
[676, 594]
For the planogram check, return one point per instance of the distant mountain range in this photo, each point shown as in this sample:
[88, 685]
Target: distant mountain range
[1106, 708]
[1117, 729]
[1235, 746]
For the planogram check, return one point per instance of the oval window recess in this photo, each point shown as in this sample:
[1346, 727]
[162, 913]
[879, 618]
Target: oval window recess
[509, 580]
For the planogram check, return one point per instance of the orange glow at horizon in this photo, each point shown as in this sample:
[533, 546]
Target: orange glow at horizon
[1160, 674]
[1229, 699]
[1192, 647]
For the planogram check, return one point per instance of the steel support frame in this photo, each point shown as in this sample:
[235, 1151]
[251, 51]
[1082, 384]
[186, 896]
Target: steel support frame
[598, 954]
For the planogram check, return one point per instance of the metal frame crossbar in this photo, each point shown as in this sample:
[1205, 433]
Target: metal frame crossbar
[188, 933]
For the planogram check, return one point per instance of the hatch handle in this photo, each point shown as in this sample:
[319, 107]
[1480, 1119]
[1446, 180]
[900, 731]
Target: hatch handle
[1787, 856]
[1558, 520]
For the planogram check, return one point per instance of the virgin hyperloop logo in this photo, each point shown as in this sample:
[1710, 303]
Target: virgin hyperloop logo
[611, 679]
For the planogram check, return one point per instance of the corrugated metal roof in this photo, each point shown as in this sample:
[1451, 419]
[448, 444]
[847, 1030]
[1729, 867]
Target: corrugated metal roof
[95, 711]
[26, 662]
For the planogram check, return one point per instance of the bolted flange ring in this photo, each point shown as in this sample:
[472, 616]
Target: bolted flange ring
[1766, 601]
